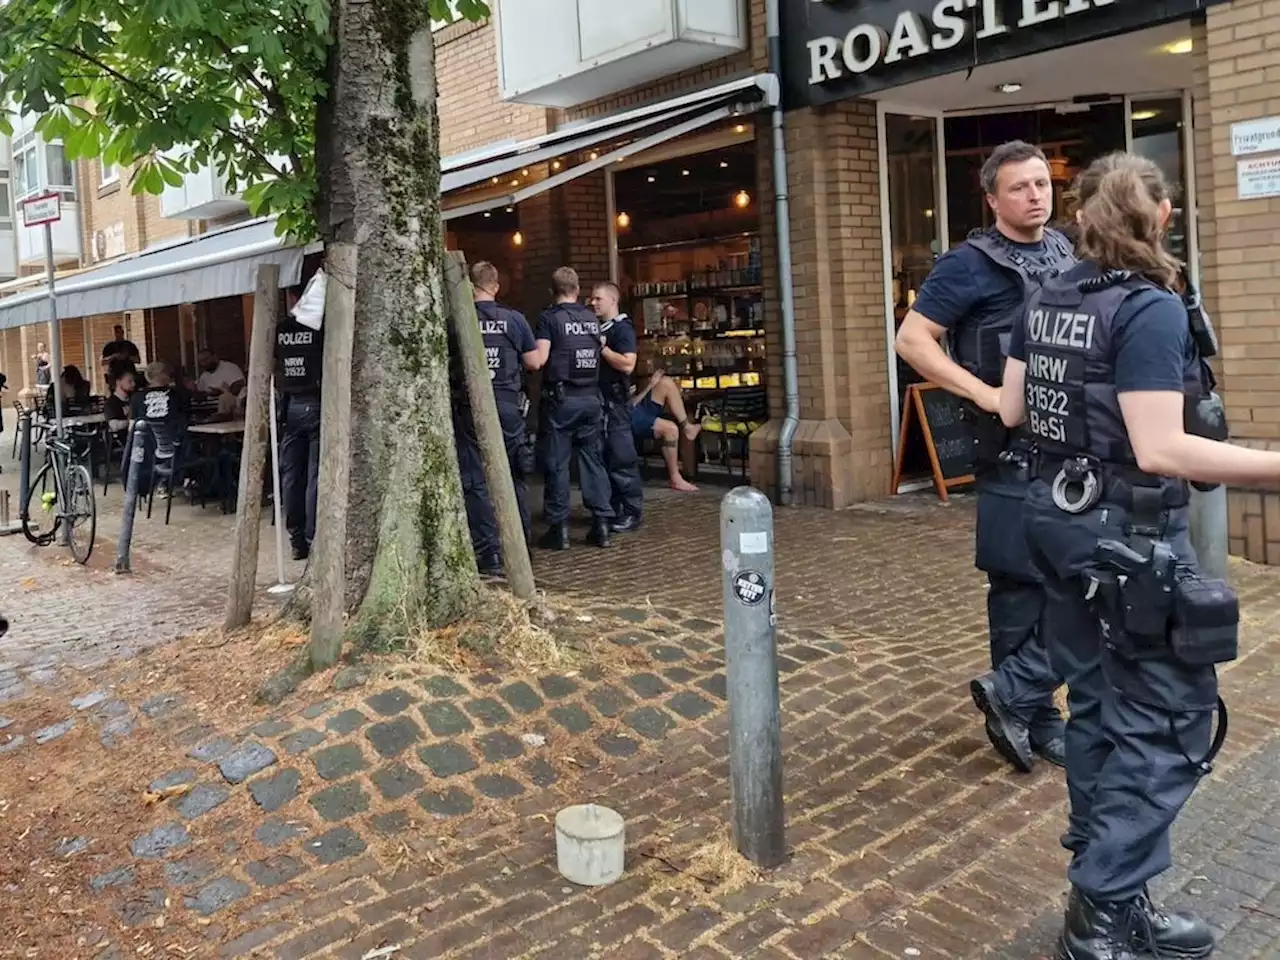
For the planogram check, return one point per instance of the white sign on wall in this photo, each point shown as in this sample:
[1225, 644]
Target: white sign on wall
[1257, 178]
[42, 209]
[1255, 136]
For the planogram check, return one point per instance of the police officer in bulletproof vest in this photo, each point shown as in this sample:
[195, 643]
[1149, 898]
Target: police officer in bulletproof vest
[299, 354]
[1107, 372]
[618, 353]
[568, 337]
[973, 297]
[509, 350]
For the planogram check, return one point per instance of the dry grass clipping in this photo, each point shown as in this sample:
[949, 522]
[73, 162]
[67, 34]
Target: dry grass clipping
[715, 865]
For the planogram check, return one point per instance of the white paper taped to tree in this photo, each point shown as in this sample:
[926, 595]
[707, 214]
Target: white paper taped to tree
[309, 310]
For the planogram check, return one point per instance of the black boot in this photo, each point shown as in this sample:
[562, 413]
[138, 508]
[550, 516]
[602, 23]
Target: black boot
[1053, 751]
[489, 564]
[1173, 936]
[599, 535]
[627, 523]
[1095, 931]
[556, 537]
[1007, 733]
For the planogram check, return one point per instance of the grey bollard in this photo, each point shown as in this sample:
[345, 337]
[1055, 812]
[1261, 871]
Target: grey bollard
[1209, 531]
[751, 658]
[137, 446]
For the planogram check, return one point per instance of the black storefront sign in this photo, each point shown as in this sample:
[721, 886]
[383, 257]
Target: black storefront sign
[836, 49]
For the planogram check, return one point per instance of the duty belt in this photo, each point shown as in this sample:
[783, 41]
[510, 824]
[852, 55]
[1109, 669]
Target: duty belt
[1081, 483]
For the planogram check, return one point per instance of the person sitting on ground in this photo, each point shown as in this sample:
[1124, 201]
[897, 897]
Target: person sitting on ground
[116, 409]
[647, 407]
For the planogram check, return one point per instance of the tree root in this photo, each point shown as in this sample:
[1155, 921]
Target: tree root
[285, 680]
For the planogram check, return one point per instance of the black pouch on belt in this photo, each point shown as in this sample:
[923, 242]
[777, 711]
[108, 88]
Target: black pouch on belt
[1206, 622]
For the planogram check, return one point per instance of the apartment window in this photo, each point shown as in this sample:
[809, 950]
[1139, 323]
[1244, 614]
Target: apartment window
[26, 166]
[61, 171]
[6, 207]
[109, 173]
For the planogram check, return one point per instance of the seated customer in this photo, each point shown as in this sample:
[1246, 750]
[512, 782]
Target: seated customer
[217, 376]
[116, 409]
[647, 407]
[164, 406]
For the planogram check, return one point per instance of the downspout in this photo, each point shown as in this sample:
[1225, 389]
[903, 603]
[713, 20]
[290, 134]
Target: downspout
[782, 223]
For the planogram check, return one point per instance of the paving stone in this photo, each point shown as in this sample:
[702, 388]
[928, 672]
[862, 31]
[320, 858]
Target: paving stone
[115, 730]
[317, 710]
[273, 792]
[202, 798]
[89, 700]
[679, 675]
[649, 722]
[664, 653]
[216, 896]
[393, 736]
[141, 908]
[338, 803]
[271, 728]
[213, 750]
[489, 712]
[396, 780]
[183, 873]
[13, 742]
[572, 717]
[55, 731]
[716, 685]
[275, 832]
[522, 697]
[389, 824]
[70, 846]
[340, 843]
[609, 701]
[557, 687]
[274, 871]
[390, 702]
[616, 745]
[6, 722]
[348, 721]
[348, 678]
[486, 679]
[447, 803]
[442, 687]
[632, 614]
[341, 760]
[690, 705]
[498, 787]
[161, 705]
[156, 843]
[633, 638]
[177, 778]
[541, 772]
[111, 708]
[447, 759]
[301, 741]
[444, 719]
[647, 685]
[244, 761]
[697, 625]
[497, 747]
[118, 878]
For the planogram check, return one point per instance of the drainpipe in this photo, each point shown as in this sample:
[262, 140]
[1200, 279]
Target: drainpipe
[782, 221]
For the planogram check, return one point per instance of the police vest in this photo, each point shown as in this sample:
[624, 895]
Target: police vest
[299, 354]
[614, 384]
[1072, 405]
[575, 346]
[503, 359]
[980, 347]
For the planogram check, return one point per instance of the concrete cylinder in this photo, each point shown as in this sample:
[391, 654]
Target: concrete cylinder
[590, 845]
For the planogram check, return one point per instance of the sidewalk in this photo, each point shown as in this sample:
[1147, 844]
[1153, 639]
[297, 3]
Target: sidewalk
[172, 818]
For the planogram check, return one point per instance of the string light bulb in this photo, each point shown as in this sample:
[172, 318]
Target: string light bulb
[517, 239]
[742, 200]
[624, 220]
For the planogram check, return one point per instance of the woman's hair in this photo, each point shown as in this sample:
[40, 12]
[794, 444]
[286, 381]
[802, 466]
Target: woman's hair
[1120, 196]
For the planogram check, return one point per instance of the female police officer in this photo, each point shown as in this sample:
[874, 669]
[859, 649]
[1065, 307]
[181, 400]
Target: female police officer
[1101, 370]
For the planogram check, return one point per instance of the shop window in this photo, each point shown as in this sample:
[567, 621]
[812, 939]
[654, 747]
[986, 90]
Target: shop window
[1159, 136]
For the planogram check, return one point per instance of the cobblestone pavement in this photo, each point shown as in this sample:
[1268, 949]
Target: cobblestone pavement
[414, 810]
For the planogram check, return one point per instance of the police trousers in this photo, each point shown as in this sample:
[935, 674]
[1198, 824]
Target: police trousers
[1024, 677]
[481, 519]
[1136, 725]
[300, 465]
[622, 461]
[572, 426]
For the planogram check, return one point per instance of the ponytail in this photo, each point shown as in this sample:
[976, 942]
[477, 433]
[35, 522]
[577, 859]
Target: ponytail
[1120, 196]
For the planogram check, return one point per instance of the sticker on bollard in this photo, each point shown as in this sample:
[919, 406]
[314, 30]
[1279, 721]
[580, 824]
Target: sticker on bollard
[749, 587]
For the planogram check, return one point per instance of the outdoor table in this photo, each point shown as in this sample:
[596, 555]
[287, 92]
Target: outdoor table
[219, 428]
[80, 420]
[221, 431]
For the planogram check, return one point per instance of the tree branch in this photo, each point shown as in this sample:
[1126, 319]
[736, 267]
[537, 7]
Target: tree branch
[272, 95]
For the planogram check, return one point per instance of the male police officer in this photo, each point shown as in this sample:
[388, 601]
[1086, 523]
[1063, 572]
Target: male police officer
[508, 346]
[975, 293]
[299, 355]
[619, 355]
[568, 338]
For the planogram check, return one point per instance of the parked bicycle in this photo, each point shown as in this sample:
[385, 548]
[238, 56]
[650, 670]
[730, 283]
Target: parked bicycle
[66, 508]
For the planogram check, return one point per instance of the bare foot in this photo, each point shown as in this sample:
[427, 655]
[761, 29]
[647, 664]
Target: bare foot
[681, 485]
[691, 431]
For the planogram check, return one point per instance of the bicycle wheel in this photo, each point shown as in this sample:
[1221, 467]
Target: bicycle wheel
[40, 524]
[81, 512]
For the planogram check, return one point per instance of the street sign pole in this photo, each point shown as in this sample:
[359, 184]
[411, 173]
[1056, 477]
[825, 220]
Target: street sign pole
[46, 210]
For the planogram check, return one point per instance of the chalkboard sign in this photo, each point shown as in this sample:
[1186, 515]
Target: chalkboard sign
[947, 437]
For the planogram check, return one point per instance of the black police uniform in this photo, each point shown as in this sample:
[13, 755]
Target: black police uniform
[995, 276]
[570, 421]
[507, 338]
[620, 455]
[1129, 625]
[299, 355]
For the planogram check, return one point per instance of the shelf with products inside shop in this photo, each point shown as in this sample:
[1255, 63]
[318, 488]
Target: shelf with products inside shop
[729, 361]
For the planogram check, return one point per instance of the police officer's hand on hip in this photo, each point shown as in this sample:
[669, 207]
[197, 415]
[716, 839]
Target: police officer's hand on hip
[1102, 371]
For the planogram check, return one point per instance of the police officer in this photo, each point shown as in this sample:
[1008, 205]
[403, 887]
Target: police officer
[568, 338]
[299, 355]
[1105, 372]
[509, 349]
[974, 296]
[618, 352]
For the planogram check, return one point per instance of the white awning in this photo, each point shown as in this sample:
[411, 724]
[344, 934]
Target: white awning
[219, 264]
[664, 121]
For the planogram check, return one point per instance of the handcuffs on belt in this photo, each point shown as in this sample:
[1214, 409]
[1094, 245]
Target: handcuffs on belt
[1077, 487]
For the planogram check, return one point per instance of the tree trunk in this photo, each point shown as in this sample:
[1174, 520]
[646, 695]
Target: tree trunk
[409, 561]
